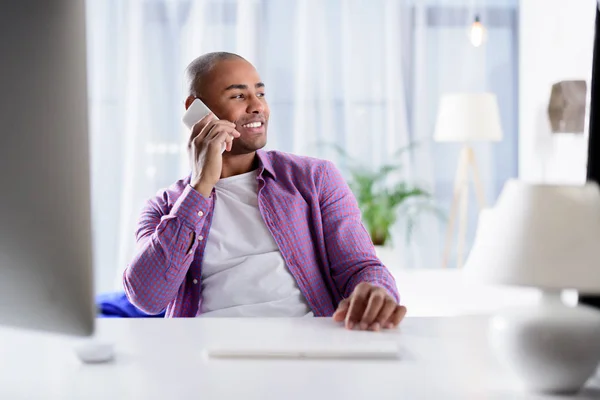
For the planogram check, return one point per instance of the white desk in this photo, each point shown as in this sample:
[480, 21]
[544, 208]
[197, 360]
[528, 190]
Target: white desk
[161, 359]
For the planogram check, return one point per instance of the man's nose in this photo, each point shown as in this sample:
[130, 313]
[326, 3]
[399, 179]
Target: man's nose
[255, 106]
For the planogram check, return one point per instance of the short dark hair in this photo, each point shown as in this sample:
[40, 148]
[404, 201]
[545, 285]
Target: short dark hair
[198, 68]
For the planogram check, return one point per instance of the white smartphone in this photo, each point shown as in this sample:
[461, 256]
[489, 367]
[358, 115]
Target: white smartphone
[195, 112]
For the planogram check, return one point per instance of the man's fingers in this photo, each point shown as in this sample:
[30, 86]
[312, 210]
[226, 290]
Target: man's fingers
[358, 303]
[217, 132]
[374, 304]
[222, 126]
[342, 310]
[385, 314]
[200, 125]
[202, 135]
[227, 127]
[228, 139]
[208, 128]
[223, 137]
[396, 317]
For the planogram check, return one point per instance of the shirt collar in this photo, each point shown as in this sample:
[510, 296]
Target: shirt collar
[265, 162]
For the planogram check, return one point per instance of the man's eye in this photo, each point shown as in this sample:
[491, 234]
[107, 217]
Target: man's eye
[238, 96]
[260, 94]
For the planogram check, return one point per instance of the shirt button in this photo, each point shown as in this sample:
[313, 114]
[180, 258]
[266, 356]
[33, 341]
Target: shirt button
[195, 281]
[200, 238]
[200, 213]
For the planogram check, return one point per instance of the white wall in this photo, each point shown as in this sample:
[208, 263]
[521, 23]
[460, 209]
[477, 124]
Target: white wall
[556, 43]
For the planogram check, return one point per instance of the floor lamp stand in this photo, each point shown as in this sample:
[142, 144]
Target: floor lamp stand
[460, 202]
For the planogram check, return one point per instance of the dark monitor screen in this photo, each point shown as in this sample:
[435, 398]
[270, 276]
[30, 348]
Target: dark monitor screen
[593, 164]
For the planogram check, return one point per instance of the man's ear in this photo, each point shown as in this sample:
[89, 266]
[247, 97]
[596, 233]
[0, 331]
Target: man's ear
[189, 101]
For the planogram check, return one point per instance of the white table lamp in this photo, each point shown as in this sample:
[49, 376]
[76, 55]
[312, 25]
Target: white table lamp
[544, 236]
[465, 118]
[468, 117]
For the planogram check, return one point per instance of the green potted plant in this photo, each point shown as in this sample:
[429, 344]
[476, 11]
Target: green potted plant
[382, 197]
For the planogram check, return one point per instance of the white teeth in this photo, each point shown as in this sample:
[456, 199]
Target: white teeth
[253, 125]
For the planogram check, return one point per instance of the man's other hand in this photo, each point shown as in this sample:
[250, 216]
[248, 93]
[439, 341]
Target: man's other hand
[371, 308]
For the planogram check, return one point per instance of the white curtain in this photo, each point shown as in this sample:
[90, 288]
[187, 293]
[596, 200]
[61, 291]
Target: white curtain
[336, 72]
[138, 51]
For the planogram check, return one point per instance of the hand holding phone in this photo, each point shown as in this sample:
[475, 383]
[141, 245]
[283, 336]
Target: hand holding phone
[195, 112]
[208, 139]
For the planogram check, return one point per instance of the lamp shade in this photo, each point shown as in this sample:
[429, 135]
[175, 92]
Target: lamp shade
[547, 236]
[464, 117]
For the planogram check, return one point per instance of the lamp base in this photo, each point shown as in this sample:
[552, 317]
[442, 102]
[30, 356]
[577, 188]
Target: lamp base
[550, 347]
[460, 202]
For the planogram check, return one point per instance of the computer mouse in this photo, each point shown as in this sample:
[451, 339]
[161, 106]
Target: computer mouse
[95, 352]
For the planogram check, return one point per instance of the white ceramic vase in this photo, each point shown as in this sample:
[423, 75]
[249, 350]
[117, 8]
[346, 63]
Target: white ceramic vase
[550, 347]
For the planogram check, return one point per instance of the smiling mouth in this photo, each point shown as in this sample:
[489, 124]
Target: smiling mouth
[253, 125]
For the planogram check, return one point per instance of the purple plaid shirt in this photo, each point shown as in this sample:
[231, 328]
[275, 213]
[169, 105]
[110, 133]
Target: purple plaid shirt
[307, 206]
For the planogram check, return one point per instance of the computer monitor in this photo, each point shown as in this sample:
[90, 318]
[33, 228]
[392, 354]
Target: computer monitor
[593, 164]
[46, 278]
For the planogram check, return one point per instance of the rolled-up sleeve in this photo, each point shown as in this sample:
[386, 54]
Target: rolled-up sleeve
[165, 249]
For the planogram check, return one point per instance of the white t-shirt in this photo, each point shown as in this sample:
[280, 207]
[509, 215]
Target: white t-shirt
[243, 272]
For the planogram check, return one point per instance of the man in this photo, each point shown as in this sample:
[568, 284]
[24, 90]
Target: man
[251, 232]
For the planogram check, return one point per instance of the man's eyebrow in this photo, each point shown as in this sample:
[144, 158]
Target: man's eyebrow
[236, 86]
[240, 86]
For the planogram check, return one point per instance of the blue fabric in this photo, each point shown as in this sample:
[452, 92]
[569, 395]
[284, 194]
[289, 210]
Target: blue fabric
[116, 305]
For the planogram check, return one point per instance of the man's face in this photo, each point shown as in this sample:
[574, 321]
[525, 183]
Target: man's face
[234, 92]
